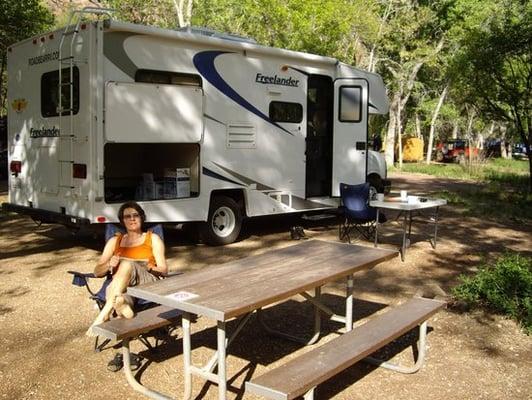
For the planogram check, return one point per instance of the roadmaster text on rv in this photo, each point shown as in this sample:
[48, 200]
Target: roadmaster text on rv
[194, 126]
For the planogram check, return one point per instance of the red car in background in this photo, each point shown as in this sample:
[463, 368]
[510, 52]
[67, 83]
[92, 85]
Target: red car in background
[455, 150]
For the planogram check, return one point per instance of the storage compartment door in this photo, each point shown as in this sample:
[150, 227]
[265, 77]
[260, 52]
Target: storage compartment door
[153, 113]
[350, 132]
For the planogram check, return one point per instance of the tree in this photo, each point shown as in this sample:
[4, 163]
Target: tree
[334, 28]
[19, 20]
[493, 67]
[410, 40]
[163, 13]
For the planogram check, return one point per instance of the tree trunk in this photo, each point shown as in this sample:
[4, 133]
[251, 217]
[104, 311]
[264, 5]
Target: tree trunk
[433, 122]
[469, 135]
[389, 145]
[418, 126]
[3, 93]
[504, 153]
[184, 12]
[399, 135]
[455, 130]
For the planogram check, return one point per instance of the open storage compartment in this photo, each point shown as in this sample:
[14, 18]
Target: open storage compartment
[150, 171]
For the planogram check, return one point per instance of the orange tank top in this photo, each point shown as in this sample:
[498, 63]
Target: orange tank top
[142, 252]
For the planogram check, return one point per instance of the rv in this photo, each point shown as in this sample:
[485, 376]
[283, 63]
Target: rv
[194, 125]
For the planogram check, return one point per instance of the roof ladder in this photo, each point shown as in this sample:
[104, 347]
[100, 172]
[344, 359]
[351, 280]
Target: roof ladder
[67, 62]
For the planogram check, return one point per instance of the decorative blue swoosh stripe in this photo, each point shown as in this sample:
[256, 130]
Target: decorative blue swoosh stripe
[204, 63]
[215, 175]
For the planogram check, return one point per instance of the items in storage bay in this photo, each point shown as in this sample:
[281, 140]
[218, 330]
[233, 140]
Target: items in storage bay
[145, 172]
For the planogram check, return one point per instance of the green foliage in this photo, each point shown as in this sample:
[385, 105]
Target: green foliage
[493, 64]
[325, 27]
[22, 19]
[504, 287]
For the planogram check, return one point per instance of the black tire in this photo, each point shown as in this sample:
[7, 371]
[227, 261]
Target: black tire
[375, 184]
[224, 222]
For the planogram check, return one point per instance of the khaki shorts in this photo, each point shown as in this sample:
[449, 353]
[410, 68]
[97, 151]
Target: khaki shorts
[139, 275]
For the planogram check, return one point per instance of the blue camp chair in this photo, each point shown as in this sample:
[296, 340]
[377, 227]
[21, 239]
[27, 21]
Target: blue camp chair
[357, 216]
[82, 279]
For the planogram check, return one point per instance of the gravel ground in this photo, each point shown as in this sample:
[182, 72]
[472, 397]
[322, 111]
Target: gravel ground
[470, 355]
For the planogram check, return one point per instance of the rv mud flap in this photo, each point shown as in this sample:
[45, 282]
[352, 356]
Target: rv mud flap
[46, 216]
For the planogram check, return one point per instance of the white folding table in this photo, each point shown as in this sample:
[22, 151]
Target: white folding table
[406, 208]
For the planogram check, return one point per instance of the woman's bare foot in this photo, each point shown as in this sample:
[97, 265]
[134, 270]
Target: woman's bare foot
[122, 308]
[90, 332]
[103, 316]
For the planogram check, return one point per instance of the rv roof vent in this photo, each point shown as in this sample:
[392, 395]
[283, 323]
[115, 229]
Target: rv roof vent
[197, 30]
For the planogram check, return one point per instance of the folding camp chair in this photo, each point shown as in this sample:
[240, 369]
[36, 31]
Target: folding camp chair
[358, 216]
[82, 279]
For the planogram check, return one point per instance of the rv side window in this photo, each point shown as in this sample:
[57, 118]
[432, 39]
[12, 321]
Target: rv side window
[166, 77]
[350, 109]
[281, 111]
[50, 90]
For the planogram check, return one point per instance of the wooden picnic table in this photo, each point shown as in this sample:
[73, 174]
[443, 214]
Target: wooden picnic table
[238, 288]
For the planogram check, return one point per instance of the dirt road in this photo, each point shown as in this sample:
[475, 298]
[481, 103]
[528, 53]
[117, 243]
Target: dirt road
[470, 356]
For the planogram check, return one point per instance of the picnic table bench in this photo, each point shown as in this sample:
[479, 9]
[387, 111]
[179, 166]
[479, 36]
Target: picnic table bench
[125, 330]
[301, 375]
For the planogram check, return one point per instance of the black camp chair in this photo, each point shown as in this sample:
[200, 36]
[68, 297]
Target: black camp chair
[357, 216]
[82, 279]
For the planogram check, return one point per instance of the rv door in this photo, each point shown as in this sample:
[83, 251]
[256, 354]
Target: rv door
[350, 132]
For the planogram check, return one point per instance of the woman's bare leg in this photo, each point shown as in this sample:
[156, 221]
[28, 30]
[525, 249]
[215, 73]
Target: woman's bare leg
[123, 308]
[117, 286]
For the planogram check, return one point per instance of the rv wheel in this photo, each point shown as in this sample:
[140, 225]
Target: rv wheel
[375, 185]
[224, 223]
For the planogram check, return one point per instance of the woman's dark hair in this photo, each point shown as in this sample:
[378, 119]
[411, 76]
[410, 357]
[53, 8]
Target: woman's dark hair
[134, 205]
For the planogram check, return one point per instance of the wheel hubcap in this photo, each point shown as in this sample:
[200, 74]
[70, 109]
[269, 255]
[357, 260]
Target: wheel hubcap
[223, 221]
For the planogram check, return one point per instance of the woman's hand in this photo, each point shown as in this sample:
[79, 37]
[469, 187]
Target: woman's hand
[113, 262]
[104, 264]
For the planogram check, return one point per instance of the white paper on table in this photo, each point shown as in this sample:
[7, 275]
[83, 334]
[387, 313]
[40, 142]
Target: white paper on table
[182, 296]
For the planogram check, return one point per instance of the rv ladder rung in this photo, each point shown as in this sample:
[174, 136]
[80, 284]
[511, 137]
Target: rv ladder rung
[68, 136]
[67, 83]
[66, 58]
[73, 61]
[70, 32]
[62, 110]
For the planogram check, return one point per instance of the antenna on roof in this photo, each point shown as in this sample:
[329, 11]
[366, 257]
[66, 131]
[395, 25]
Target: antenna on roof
[196, 30]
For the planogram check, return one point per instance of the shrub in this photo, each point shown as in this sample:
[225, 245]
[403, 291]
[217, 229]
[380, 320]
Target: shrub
[504, 287]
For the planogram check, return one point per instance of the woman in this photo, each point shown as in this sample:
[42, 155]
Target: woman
[132, 258]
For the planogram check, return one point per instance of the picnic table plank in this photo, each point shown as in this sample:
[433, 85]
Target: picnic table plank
[298, 375]
[262, 279]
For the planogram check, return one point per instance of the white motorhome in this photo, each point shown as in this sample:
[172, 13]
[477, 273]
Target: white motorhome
[195, 126]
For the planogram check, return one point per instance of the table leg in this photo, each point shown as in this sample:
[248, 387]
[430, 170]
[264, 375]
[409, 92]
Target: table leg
[349, 304]
[435, 227]
[409, 225]
[222, 376]
[187, 357]
[403, 247]
[317, 315]
[377, 228]
[317, 320]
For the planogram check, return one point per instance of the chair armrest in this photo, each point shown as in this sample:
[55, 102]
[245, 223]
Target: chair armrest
[81, 279]
[82, 274]
[173, 273]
